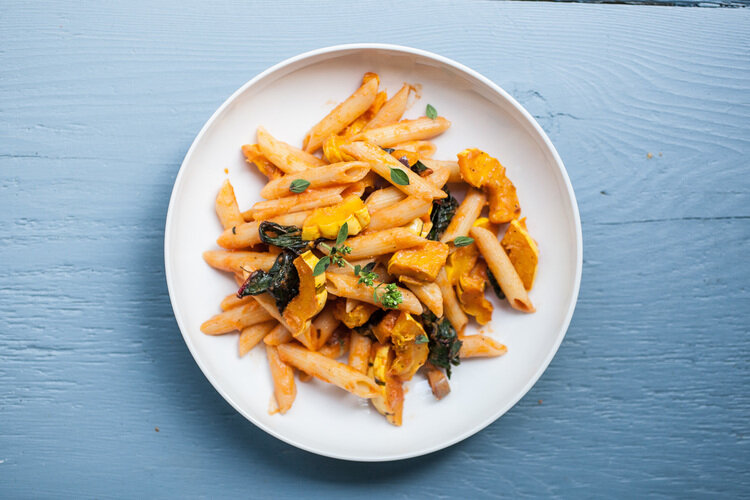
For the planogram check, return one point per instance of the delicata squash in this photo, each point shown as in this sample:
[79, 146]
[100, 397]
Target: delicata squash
[320, 281]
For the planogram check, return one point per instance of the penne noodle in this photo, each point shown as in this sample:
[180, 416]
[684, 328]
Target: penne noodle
[399, 214]
[252, 335]
[329, 370]
[481, 346]
[342, 115]
[286, 157]
[428, 293]
[234, 261]
[359, 352]
[452, 166]
[345, 286]
[425, 149]
[326, 176]
[404, 131]
[231, 301]
[226, 206]
[267, 303]
[382, 163]
[246, 234]
[279, 335]
[235, 319]
[386, 197]
[264, 210]
[323, 326]
[254, 155]
[502, 269]
[468, 212]
[392, 110]
[337, 346]
[382, 242]
[284, 389]
[451, 308]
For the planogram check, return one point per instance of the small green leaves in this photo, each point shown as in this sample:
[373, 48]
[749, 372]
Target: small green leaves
[421, 339]
[343, 233]
[234, 229]
[431, 112]
[462, 241]
[391, 297]
[399, 177]
[321, 266]
[418, 167]
[299, 185]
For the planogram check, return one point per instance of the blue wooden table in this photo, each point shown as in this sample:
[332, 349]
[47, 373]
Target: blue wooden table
[649, 107]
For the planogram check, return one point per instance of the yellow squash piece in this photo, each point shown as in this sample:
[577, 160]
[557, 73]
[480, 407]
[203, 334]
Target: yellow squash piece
[409, 345]
[522, 251]
[382, 330]
[353, 313]
[423, 262]
[326, 222]
[463, 259]
[391, 403]
[470, 294]
[483, 171]
[419, 227]
[332, 152]
[311, 297]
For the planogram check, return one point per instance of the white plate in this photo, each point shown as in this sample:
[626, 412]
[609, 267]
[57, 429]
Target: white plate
[287, 99]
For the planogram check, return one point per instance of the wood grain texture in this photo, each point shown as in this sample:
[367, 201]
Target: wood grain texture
[648, 394]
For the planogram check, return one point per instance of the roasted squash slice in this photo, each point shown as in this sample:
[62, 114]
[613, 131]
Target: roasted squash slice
[423, 262]
[391, 403]
[470, 294]
[311, 297]
[326, 222]
[483, 171]
[409, 345]
[353, 313]
[522, 251]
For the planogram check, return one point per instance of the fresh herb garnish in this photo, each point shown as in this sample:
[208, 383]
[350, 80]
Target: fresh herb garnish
[299, 185]
[289, 237]
[431, 112]
[442, 213]
[462, 241]
[399, 177]
[322, 265]
[495, 285]
[419, 167]
[281, 281]
[444, 344]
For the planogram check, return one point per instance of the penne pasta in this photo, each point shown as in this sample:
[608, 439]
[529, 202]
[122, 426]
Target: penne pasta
[451, 308]
[428, 293]
[399, 214]
[451, 166]
[388, 196]
[359, 352]
[264, 210]
[252, 335]
[255, 156]
[267, 303]
[382, 242]
[286, 157]
[279, 335]
[231, 301]
[345, 286]
[468, 211]
[323, 326]
[502, 269]
[392, 110]
[235, 319]
[326, 176]
[284, 389]
[234, 261]
[382, 163]
[404, 131]
[226, 206]
[329, 370]
[246, 234]
[425, 149]
[342, 115]
[481, 346]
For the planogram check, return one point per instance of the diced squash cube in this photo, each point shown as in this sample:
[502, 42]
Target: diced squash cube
[481, 170]
[326, 222]
[522, 251]
[470, 294]
[423, 262]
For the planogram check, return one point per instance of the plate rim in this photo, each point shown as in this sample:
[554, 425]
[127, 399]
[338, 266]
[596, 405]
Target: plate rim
[494, 87]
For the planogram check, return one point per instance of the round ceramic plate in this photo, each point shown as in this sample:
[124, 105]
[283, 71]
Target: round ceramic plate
[288, 99]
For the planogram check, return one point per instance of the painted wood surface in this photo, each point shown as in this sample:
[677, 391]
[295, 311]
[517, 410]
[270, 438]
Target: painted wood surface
[649, 108]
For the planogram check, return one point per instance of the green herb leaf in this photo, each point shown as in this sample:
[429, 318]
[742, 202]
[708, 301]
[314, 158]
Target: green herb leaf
[444, 343]
[281, 281]
[391, 297]
[419, 167]
[289, 237]
[462, 241]
[443, 211]
[421, 339]
[431, 112]
[399, 177]
[343, 233]
[357, 269]
[321, 266]
[495, 285]
[299, 185]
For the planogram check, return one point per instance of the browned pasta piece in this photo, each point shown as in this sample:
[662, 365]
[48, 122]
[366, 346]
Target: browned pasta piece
[451, 307]
[284, 389]
[264, 210]
[234, 261]
[481, 346]
[252, 335]
[226, 206]
[359, 352]
[246, 234]
[329, 175]
[403, 131]
[288, 158]
[392, 110]
[235, 319]
[465, 215]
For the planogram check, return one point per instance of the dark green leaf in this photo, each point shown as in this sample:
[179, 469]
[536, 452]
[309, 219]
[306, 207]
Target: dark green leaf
[495, 285]
[462, 241]
[321, 266]
[257, 283]
[289, 237]
[343, 233]
[388, 150]
[419, 167]
[299, 185]
[444, 344]
[442, 213]
[399, 177]
[357, 269]
[431, 112]
[281, 281]
[234, 229]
